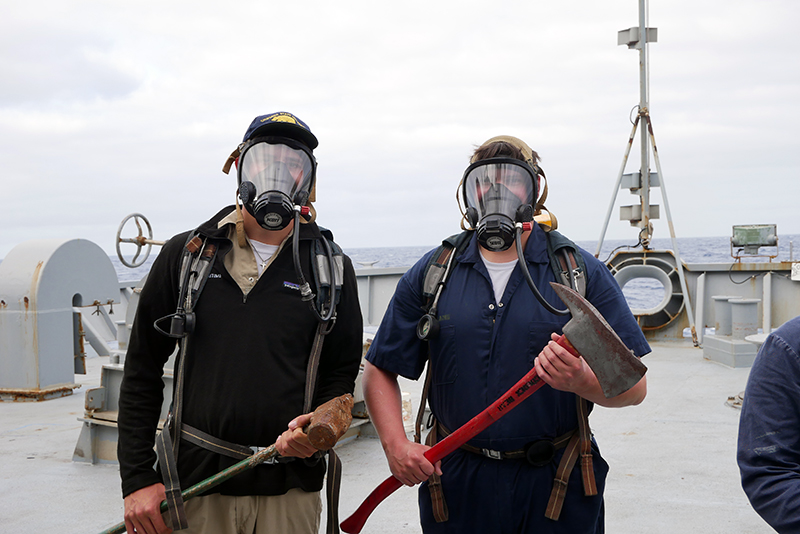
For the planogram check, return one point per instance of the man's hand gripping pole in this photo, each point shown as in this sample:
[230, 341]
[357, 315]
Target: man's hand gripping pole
[328, 423]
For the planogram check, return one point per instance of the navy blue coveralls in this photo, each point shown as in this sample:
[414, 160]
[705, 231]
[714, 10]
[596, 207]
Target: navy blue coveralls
[483, 348]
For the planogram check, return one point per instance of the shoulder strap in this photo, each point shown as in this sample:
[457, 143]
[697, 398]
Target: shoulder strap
[324, 249]
[197, 258]
[566, 261]
[437, 269]
[436, 273]
[195, 266]
[570, 268]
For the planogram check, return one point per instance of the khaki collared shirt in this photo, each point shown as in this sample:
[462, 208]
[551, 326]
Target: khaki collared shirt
[241, 262]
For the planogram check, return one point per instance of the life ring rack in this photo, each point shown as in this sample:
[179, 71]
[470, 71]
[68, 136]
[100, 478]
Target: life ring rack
[660, 265]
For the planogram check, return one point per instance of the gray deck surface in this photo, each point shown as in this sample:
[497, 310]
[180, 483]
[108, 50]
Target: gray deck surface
[673, 460]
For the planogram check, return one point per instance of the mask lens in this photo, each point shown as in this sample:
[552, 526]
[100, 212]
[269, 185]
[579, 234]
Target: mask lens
[498, 188]
[277, 167]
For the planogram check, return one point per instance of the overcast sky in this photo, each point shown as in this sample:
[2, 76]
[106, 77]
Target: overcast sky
[109, 108]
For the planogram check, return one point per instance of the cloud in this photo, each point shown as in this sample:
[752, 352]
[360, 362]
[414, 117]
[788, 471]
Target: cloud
[59, 66]
[109, 108]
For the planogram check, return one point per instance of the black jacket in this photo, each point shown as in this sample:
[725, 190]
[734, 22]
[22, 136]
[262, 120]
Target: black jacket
[245, 366]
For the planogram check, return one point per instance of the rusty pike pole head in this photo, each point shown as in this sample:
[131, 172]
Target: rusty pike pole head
[616, 367]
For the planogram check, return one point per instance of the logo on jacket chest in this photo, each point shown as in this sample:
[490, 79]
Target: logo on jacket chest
[291, 285]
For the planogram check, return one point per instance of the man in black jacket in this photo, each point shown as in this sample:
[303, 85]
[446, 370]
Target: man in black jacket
[242, 369]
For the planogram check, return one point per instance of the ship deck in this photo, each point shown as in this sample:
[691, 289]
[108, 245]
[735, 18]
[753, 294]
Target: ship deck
[673, 460]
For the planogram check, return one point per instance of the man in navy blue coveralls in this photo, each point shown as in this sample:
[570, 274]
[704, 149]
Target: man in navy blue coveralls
[488, 340]
[769, 430]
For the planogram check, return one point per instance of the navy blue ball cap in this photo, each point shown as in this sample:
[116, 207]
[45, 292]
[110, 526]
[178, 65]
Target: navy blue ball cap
[282, 124]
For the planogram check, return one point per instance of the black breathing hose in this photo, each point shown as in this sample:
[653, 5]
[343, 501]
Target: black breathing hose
[305, 289]
[524, 266]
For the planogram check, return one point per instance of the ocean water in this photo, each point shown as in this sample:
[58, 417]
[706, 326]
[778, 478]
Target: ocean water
[642, 293]
[691, 250]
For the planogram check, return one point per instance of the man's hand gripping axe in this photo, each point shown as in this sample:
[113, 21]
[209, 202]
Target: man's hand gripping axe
[587, 334]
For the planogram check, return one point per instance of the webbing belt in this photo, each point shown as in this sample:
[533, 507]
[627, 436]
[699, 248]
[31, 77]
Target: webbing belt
[225, 448]
[578, 443]
[519, 454]
[570, 440]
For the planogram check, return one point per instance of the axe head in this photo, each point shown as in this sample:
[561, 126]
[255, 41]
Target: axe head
[616, 367]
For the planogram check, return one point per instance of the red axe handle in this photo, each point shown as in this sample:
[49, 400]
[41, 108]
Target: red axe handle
[519, 392]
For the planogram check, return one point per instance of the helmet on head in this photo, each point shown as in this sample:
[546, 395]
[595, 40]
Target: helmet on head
[276, 168]
[495, 146]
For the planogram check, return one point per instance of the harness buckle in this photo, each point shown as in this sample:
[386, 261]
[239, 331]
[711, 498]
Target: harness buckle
[540, 452]
[489, 453]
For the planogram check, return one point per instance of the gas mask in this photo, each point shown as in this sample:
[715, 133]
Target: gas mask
[498, 193]
[275, 174]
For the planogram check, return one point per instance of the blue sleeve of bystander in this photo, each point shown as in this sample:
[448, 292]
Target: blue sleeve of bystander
[769, 430]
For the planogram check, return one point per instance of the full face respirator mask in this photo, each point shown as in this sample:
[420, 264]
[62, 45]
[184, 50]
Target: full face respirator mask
[498, 193]
[275, 174]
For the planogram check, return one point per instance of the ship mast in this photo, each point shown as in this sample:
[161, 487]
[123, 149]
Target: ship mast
[639, 183]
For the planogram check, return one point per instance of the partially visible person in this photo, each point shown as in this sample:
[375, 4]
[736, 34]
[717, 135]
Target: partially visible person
[769, 430]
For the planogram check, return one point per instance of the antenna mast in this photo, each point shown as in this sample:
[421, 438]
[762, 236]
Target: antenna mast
[639, 183]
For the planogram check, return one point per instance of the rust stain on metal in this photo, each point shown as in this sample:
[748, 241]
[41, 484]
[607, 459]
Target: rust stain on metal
[761, 266]
[36, 395]
[3, 304]
[37, 272]
[630, 140]
[81, 336]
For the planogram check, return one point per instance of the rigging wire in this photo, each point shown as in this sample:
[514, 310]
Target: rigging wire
[629, 247]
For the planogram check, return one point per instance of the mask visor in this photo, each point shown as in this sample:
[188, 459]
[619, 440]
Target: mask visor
[273, 166]
[498, 186]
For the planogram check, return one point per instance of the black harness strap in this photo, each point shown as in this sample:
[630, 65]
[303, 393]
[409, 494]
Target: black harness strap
[332, 489]
[334, 478]
[438, 503]
[198, 257]
[423, 400]
[209, 442]
[313, 365]
[172, 485]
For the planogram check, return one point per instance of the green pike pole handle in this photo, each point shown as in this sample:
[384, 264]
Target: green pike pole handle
[212, 481]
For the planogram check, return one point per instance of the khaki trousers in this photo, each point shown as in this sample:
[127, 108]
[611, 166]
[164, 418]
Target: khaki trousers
[296, 512]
